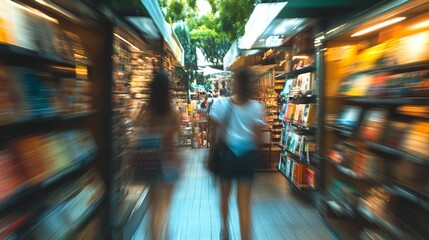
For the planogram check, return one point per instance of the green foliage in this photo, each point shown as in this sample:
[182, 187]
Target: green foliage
[175, 11]
[192, 4]
[182, 32]
[213, 45]
[212, 33]
[163, 3]
[213, 4]
[233, 16]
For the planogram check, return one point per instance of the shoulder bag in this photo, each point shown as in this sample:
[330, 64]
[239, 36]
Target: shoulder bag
[218, 146]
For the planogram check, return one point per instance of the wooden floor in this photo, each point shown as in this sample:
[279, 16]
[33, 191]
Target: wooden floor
[278, 213]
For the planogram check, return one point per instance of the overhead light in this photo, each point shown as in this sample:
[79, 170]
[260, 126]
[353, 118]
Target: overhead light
[34, 11]
[123, 39]
[378, 26]
[57, 9]
[335, 29]
[419, 25]
[300, 57]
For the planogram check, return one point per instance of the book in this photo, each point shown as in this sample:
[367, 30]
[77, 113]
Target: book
[373, 124]
[299, 113]
[288, 169]
[10, 174]
[349, 116]
[309, 117]
[416, 139]
[298, 143]
[394, 133]
[360, 85]
[289, 116]
[305, 82]
[310, 177]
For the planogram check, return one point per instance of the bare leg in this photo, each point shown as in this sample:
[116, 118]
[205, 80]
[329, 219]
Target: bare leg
[225, 190]
[160, 196]
[244, 191]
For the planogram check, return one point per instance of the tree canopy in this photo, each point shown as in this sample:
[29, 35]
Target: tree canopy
[214, 32]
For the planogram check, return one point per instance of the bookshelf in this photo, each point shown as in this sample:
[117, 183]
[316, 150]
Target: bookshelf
[298, 117]
[268, 97]
[375, 130]
[50, 150]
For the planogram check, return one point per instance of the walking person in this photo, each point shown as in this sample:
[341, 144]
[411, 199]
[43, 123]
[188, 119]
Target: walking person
[161, 122]
[242, 120]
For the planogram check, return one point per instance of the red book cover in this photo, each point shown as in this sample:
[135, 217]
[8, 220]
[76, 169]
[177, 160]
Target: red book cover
[310, 177]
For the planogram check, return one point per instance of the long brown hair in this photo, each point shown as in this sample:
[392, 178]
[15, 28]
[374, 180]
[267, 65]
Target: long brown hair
[159, 102]
[244, 83]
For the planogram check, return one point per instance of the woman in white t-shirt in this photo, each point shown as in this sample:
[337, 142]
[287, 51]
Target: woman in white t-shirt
[244, 120]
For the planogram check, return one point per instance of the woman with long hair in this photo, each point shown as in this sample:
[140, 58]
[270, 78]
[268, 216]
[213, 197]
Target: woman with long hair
[243, 119]
[160, 119]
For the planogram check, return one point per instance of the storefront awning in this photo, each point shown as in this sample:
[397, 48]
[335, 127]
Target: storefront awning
[262, 17]
[273, 24]
[149, 20]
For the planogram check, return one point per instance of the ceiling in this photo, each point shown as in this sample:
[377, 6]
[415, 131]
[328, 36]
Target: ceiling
[287, 18]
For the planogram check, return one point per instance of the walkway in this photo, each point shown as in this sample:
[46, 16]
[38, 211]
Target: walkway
[277, 212]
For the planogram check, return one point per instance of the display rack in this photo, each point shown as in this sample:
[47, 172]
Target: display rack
[298, 162]
[268, 97]
[199, 132]
[376, 127]
[185, 134]
[50, 147]
[133, 67]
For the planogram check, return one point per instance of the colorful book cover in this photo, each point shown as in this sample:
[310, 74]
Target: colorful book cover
[349, 116]
[395, 133]
[373, 124]
[415, 140]
[305, 81]
[360, 85]
[299, 112]
[288, 167]
[310, 177]
[298, 143]
[290, 109]
[309, 115]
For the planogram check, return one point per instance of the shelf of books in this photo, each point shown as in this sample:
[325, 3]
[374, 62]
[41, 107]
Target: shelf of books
[48, 148]
[185, 134]
[268, 97]
[132, 72]
[376, 134]
[298, 116]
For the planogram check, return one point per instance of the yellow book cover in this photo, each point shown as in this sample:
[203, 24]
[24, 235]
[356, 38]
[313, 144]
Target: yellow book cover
[368, 58]
[299, 113]
[290, 112]
[360, 85]
[310, 114]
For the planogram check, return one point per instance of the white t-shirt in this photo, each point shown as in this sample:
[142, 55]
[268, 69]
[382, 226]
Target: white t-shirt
[240, 136]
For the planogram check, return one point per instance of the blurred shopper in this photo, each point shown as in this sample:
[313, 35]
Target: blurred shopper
[161, 122]
[222, 92]
[243, 119]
